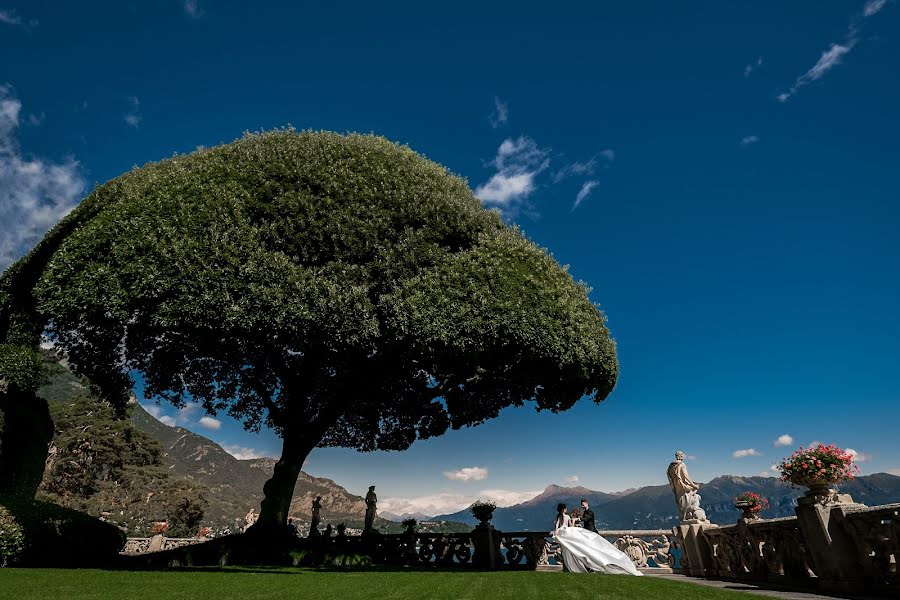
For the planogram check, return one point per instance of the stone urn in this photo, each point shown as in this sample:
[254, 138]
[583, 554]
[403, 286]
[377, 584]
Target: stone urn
[750, 511]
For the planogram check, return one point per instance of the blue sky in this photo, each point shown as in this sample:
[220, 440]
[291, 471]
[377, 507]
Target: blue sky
[724, 175]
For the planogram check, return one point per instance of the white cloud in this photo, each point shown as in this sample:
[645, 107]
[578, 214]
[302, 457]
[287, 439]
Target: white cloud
[894, 472]
[34, 193]
[690, 457]
[167, 420]
[609, 154]
[585, 191]
[210, 423]
[192, 9]
[500, 115]
[467, 474]
[242, 452]
[745, 453]
[36, 120]
[774, 469]
[449, 502]
[749, 139]
[518, 162]
[783, 440]
[872, 7]
[133, 117]
[571, 479]
[507, 497]
[858, 456]
[10, 17]
[155, 410]
[830, 59]
[753, 66]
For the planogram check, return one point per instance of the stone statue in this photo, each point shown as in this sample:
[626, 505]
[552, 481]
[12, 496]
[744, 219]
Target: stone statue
[685, 490]
[371, 509]
[314, 522]
[250, 519]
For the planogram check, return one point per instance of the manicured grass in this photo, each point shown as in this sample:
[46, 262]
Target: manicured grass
[255, 584]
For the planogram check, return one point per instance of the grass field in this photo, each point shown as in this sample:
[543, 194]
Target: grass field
[254, 584]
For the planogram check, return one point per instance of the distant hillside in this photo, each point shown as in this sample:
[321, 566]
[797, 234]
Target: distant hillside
[653, 507]
[233, 486]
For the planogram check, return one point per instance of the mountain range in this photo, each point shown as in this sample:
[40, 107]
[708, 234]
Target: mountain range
[653, 507]
[235, 486]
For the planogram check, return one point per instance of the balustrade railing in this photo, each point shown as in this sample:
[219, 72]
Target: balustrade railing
[648, 549]
[765, 549]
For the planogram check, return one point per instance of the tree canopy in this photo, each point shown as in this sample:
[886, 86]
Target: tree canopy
[342, 290]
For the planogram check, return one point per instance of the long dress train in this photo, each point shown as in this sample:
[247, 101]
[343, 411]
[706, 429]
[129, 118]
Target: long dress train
[584, 551]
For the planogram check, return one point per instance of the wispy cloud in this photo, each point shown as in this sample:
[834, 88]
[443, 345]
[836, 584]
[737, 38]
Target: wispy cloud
[581, 168]
[873, 7]
[517, 163]
[586, 188]
[894, 472]
[500, 115]
[748, 70]
[133, 116]
[783, 440]
[192, 9]
[749, 139]
[745, 453]
[9, 17]
[572, 479]
[210, 423]
[836, 52]
[859, 456]
[34, 193]
[467, 474]
[242, 452]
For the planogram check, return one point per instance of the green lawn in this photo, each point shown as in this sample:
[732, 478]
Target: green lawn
[253, 584]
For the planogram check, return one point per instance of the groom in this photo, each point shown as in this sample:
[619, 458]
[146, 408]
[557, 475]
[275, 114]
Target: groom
[587, 516]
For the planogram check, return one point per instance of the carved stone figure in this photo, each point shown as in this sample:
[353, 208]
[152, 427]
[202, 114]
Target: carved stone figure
[685, 490]
[371, 509]
[314, 521]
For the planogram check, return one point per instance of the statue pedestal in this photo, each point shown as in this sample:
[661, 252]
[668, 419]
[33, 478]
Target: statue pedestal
[820, 514]
[696, 557]
[486, 542]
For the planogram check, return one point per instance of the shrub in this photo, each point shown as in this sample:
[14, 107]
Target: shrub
[40, 534]
[482, 510]
[12, 539]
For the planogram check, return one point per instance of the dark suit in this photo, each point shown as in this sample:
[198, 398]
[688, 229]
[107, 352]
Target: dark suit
[587, 520]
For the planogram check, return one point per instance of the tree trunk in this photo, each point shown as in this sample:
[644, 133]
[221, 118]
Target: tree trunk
[278, 491]
[25, 433]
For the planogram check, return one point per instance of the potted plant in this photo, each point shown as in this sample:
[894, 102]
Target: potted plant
[751, 503]
[410, 525]
[483, 510]
[818, 467]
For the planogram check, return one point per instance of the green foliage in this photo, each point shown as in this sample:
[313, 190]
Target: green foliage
[342, 288]
[44, 534]
[20, 367]
[12, 539]
[100, 464]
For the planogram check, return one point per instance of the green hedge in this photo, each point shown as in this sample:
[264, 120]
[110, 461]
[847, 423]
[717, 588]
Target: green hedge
[40, 534]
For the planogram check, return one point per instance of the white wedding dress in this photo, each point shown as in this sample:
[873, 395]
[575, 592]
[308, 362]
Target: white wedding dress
[584, 551]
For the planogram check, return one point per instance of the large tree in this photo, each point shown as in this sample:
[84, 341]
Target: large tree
[342, 290]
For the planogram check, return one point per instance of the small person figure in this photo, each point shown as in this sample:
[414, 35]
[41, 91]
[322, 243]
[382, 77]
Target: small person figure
[291, 527]
[328, 530]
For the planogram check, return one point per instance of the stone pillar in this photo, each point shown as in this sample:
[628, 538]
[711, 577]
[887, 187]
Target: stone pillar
[696, 553]
[486, 541]
[832, 550]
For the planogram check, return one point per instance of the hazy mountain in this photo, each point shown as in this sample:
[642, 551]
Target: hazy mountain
[653, 507]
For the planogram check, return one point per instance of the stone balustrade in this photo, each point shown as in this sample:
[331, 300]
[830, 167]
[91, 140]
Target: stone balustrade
[651, 550]
[832, 545]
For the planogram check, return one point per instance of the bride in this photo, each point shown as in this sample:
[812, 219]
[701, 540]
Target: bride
[584, 551]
